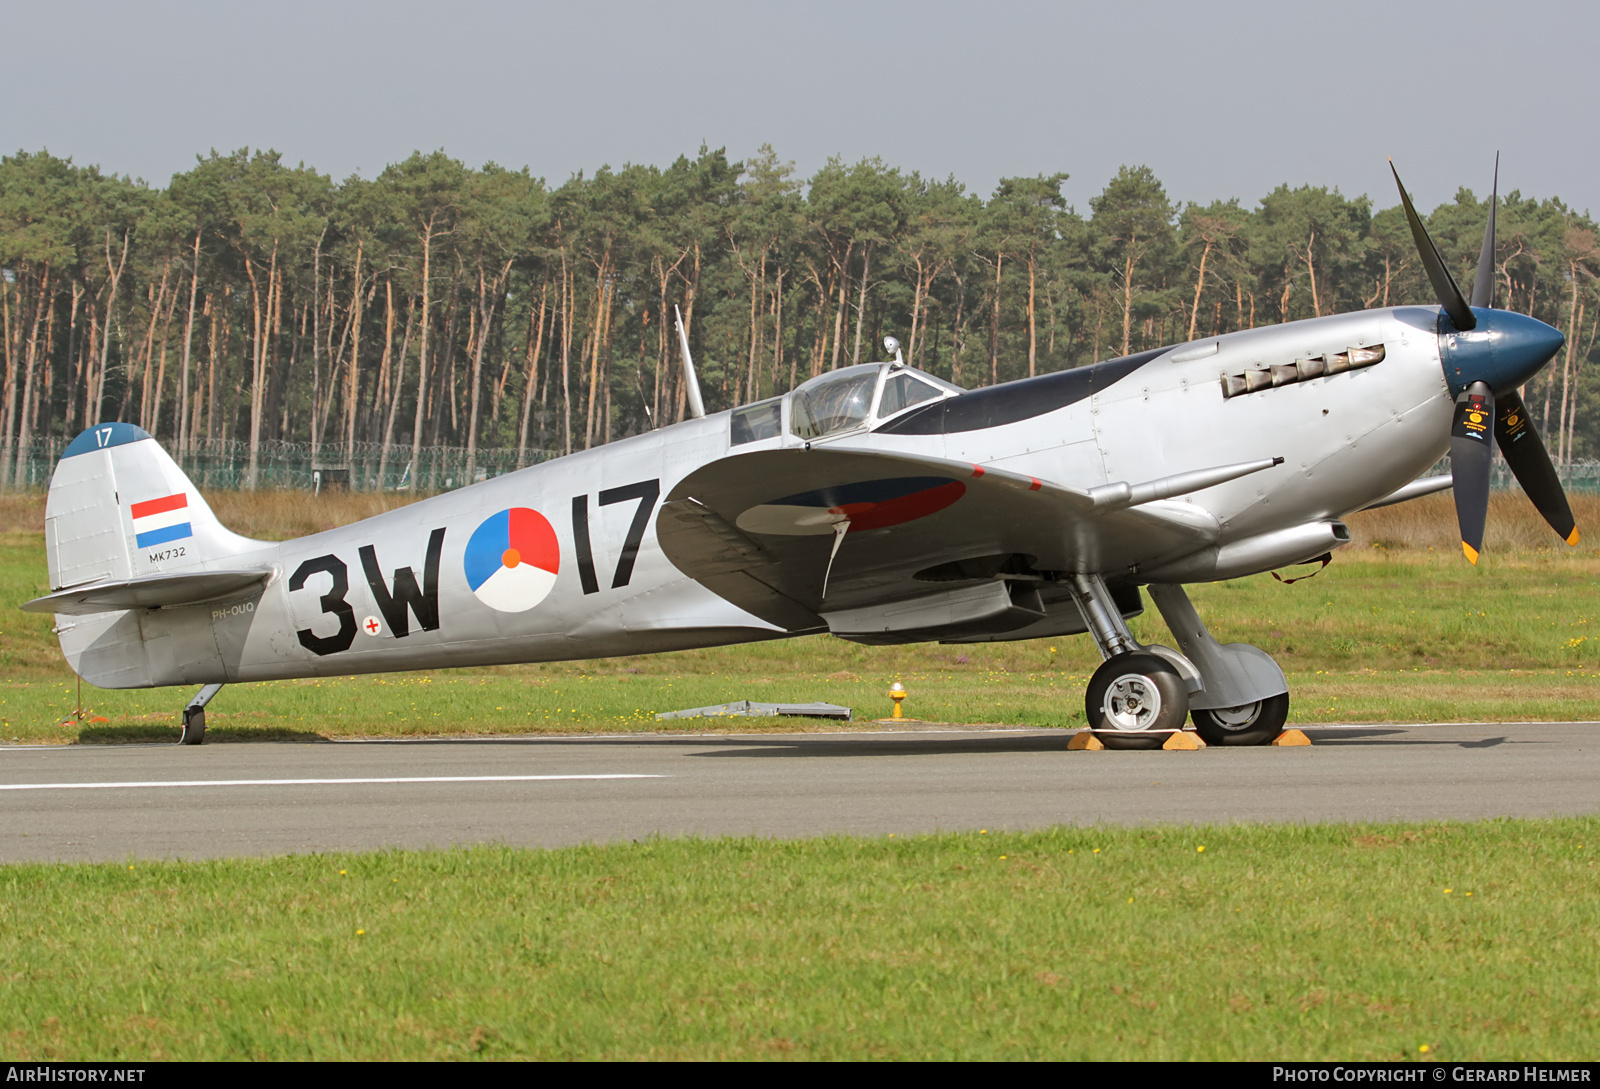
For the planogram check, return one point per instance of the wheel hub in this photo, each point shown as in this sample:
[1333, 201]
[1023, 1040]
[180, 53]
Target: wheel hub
[1133, 703]
[1237, 718]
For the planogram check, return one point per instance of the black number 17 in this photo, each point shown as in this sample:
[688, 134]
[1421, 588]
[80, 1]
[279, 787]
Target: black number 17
[646, 492]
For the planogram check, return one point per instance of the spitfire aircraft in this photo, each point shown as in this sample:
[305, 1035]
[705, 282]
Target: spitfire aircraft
[875, 502]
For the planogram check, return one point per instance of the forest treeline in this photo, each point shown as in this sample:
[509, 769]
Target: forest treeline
[251, 302]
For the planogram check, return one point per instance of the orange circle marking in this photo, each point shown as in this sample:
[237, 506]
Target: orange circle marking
[511, 557]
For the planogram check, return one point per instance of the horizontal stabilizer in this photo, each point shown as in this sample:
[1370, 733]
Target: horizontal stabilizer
[150, 592]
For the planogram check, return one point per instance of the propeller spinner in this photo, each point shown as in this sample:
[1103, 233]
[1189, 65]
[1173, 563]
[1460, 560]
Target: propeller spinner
[1487, 354]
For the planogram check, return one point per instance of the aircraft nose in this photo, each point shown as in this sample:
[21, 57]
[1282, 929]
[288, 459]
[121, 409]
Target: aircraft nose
[1504, 350]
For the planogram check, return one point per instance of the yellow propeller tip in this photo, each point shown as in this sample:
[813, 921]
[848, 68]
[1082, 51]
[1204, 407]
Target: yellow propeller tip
[1470, 552]
[1572, 538]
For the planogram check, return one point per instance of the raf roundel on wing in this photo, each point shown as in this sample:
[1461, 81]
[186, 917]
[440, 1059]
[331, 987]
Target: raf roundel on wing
[512, 560]
[870, 504]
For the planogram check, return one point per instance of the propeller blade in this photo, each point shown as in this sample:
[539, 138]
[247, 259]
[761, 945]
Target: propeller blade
[1531, 465]
[1483, 283]
[1444, 285]
[1470, 454]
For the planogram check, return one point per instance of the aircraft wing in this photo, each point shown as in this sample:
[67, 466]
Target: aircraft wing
[799, 537]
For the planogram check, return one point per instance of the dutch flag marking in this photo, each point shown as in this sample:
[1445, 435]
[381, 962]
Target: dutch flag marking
[157, 521]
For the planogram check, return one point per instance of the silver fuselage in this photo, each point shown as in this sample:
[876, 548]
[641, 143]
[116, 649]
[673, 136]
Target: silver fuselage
[1348, 439]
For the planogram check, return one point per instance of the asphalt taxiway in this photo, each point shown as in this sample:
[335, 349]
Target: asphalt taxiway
[168, 801]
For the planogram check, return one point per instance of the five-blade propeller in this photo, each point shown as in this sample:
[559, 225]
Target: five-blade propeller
[1478, 410]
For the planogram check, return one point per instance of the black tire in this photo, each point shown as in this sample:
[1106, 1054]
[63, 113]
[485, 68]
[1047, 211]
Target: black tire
[194, 727]
[1257, 723]
[1145, 693]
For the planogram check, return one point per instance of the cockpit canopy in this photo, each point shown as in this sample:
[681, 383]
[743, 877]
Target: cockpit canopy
[841, 401]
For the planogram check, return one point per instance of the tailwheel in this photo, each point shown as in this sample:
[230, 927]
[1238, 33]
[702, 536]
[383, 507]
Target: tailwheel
[1257, 723]
[194, 716]
[1135, 701]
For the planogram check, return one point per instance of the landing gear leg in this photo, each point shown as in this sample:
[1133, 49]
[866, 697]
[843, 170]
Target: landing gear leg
[1246, 698]
[194, 716]
[1136, 699]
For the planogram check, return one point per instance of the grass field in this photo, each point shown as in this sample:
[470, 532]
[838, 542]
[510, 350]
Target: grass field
[1400, 628]
[1387, 942]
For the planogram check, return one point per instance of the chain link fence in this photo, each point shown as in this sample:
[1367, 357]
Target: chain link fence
[1578, 476]
[301, 465]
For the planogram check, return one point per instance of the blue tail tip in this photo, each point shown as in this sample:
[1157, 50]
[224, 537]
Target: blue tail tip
[103, 436]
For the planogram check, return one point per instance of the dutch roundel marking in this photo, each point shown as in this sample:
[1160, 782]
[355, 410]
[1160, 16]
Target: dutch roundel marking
[512, 560]
[870, 504]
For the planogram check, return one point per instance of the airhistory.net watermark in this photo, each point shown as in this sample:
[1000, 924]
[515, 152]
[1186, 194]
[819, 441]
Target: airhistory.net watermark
[54, 1073]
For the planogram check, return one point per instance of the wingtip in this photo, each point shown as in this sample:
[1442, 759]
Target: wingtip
[1470, 552]
[1572, 538]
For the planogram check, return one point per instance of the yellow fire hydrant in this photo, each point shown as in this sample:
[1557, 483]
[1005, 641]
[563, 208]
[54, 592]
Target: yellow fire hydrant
[897, 692]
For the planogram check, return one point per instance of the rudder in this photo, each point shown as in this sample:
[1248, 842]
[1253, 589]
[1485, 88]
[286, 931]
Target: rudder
[119, 508]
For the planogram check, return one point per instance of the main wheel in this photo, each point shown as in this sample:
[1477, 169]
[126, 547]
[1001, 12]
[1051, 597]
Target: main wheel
[1257, 723]
[1133, 700]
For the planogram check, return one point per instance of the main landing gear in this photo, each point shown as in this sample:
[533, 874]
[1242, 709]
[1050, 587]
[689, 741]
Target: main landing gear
[1255, 723]
[1134, 701]
[1141, 695]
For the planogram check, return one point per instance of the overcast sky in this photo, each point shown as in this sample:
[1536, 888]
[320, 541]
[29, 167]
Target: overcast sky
[1227, 98]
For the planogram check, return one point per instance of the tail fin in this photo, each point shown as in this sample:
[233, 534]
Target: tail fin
[130, 542]
[120, 508]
